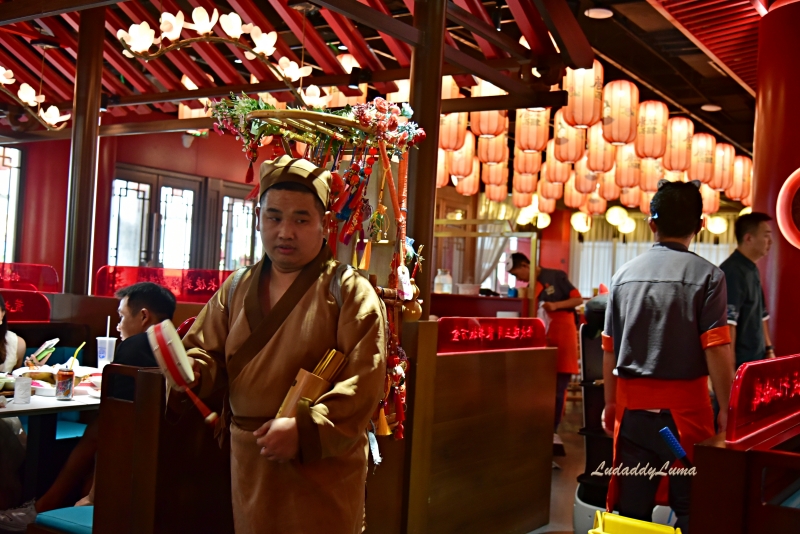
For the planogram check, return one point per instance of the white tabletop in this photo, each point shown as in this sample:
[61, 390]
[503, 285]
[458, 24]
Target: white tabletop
[41, 405]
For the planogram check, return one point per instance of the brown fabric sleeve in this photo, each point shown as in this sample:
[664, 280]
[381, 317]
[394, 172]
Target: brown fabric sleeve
[308, 431]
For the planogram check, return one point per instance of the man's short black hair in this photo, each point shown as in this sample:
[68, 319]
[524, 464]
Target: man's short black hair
[748, 224]
[157, 299]
[518, 259]
[299, 188]
[677, 208]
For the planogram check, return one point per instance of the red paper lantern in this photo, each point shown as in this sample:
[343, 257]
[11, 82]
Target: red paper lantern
[607, 186]
[524, 183]
[585, 89]
[651, 129]
[470, 184]
[748, 200]
[494, 174]
[572, 198]
[460, 161]
[532, 129]
[644, 201]
[652, 173]
[521, 200]
[497, 193]
[710, 199]
[723, 167]
[442, 176]
[493, 150]
[600, 152]
[527, 162]
[557, 172]
[742, 172]
[452, 131]
[704, 148]
[585, 180]
[674, 176]
[570, 142]
[550, 190]
[678, 155]
[629, 166]
[595, 204]
[620, 107]
[487, 123]
[544, 204]
[630, 197]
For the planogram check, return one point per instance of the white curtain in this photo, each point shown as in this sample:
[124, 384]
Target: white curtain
[602, 250]
[489, 249]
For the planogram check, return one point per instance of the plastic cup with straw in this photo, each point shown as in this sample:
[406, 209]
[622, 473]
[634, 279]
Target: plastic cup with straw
[65, 378]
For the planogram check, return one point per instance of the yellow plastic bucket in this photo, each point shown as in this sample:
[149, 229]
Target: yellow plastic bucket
[605, 523]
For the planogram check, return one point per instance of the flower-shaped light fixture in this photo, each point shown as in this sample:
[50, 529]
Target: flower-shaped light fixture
[314, 97]
[202, 24]
[139, 37]
[52, 116]
[171, 26]
[292, 70]
[232, 25]
[27, 94]
[265, 43]
[6, 76]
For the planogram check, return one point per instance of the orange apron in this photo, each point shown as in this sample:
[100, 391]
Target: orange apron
[562, 334]
[687, 401]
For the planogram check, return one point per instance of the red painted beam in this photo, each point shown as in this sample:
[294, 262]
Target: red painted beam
[251, 14]
[35, 63]
[316, 46]
[346, 31]
[400, 50]
[476, 8]
[138, 14]
[462, 80]
[22, 29]
[216, 61]
[532, 27]
[23, 75]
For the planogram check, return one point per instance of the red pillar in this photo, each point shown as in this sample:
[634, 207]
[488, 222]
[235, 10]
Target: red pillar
[775, 157]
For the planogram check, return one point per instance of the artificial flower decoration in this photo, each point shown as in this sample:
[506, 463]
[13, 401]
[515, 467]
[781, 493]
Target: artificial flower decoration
[52, 117]
[291, 70]
[27, 94]
[171, 25]
[6, 76]
[265, 42]
[314, 97]
[202, 25]
[140, 37]
[232, 25]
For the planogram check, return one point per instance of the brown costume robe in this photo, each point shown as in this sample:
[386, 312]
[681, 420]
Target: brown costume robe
[322, 490]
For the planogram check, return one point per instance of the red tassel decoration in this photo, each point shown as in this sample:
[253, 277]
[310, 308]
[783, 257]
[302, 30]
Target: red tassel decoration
[399, 411]
[248, 178]
[253, 194]
[398, 431]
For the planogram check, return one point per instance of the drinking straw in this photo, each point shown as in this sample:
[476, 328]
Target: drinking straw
[75, 356]
[108, 326]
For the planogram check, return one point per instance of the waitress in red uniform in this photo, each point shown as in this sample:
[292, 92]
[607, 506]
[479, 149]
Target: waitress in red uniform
[559, 299]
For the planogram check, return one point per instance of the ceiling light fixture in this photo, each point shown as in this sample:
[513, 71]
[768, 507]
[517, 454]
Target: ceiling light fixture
[711, 107]
[342, 47]
[599, 13]
[239, 61]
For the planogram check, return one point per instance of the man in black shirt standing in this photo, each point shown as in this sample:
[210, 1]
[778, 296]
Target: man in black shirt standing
[747, 314]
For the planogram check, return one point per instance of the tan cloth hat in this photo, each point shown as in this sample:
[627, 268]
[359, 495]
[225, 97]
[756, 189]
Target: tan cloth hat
[300, 171]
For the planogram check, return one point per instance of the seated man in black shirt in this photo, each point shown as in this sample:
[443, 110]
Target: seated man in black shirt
[141, 306]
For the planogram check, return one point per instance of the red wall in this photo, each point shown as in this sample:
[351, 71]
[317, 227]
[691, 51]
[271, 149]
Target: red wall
[46, 176]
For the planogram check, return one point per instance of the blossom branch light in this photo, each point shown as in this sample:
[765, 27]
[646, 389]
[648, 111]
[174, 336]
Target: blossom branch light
[27, 99]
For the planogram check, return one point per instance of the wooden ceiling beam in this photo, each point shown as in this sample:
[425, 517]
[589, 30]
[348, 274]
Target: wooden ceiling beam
[487, 32]
[34, 62]
[22, 10]
[400, 50]
[476, 16]
[251, 14]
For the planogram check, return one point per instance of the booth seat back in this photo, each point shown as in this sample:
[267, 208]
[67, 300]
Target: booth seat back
[24, 305]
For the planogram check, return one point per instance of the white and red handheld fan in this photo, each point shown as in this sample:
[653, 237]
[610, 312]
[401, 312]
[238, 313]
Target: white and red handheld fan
[174, 363]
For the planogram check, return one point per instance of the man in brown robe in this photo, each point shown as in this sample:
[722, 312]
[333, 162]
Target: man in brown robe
[305, 474]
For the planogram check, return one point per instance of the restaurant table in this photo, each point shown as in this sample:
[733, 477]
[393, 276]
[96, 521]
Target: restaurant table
[42, 413]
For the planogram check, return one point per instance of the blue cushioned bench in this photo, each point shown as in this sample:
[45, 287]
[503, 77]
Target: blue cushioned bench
[75, 520]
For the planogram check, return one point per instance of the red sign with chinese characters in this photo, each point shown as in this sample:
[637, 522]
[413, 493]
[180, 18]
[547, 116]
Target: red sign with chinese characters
[29, 277]
[26, 306]
[765, 396]
[472, 334]
[188, 285]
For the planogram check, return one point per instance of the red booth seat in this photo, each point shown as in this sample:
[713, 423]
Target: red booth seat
[26, 306]
[188, 285]
[29, 277]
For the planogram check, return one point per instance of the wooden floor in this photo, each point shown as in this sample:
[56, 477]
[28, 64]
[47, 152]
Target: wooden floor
[565, 482]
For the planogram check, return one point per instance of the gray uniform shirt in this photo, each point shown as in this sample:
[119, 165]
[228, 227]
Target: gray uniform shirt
[665, 308]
